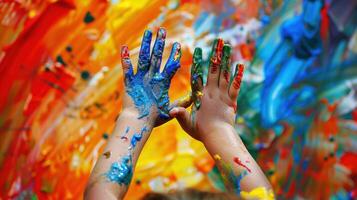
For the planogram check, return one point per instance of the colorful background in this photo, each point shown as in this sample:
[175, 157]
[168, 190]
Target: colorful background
[61, 87]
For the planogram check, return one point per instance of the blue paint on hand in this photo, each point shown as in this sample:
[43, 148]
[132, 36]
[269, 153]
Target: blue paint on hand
[148, 88]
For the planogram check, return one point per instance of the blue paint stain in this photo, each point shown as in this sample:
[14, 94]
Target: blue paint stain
[150, 89]
[238, 180]
[137, 137]
[121, 172]
[144, 54]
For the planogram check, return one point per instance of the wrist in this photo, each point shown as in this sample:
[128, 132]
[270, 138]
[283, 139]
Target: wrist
[133, 116]
[221, 134]
[215, 129]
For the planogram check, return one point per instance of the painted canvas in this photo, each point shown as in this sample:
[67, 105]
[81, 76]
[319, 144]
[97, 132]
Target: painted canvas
[61, 87]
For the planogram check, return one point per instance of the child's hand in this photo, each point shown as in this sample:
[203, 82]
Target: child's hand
[214, 105]
[147, 90]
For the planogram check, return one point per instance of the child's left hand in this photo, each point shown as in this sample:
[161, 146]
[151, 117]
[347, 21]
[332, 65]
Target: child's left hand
[147, 90]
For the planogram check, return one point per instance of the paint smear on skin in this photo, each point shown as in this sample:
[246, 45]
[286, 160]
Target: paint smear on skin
[197, 77]
[216, 56]
[123, 137]
[260, 193]
[238, 179]
[226, 61]
[217, 157]
[229, 177]
[107, 154]
[239, 162]
[137, 137]
[146, 89]
[139, 96]
[121, 172]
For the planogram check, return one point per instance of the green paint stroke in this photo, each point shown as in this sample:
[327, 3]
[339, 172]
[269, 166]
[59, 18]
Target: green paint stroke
[197, 77]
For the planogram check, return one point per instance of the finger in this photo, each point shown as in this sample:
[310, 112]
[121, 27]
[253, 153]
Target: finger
[197, 77]
[157, 51]
[184, 101]
[225, 67]
[173, 63]
[144, 54]
[215, 62]
[126, 64]
[183, 117]
[236, 82]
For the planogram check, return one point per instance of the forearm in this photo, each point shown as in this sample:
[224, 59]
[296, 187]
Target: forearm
[230, 154]
[113, 171]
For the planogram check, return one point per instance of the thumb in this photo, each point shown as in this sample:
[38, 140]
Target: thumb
[183, 117]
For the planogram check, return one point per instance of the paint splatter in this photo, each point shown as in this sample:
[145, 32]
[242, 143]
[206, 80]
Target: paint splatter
[121, 172]
[123, 136]
[107, 154]
[239, 162]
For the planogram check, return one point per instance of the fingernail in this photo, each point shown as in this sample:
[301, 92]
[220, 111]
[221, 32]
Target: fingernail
[161, 33]
[124, 51]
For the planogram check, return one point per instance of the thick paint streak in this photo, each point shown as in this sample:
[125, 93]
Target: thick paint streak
[124, 135]
[137, 137]
[225, 65]
[121, 172]
[237, 80]
[107, 154]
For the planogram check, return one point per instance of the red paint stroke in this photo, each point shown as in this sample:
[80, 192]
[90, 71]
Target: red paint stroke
[217, 56]
[325, 22]
[239, 76]
[59, 79]
[239, 162]
[26, 54]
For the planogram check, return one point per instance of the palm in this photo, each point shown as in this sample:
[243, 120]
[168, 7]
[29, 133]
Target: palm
[215, 103]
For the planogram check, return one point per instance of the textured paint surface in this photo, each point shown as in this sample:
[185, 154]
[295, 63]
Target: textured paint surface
[149, 87]
[61, 91]
[121, 172]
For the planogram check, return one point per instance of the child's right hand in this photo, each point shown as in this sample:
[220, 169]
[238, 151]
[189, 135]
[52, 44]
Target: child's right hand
[214, 105]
